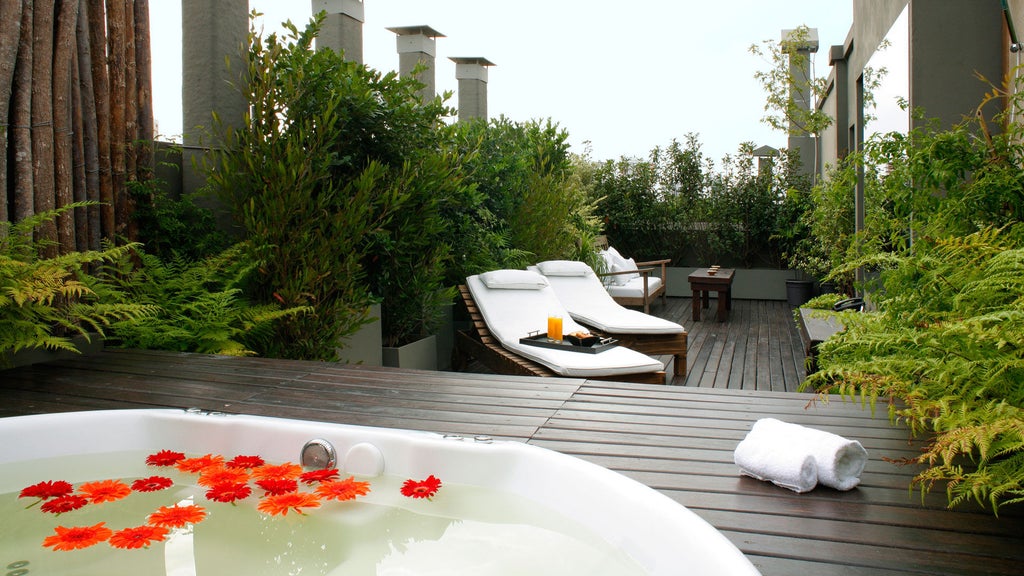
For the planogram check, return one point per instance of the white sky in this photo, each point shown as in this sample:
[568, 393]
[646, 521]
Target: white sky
[625, 76]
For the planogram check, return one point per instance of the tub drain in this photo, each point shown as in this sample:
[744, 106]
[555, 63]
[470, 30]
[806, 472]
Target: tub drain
[318, 453]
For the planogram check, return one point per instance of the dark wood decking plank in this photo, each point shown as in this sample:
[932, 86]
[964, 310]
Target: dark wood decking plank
[678, 440]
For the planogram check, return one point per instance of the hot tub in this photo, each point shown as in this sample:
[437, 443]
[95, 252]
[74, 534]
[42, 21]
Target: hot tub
[602, 516]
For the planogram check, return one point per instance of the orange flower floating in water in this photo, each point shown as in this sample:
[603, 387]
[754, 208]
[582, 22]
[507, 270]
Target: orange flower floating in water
[138, 537]
[421, 489]
[246, 462]
[104, 491]
[77, 537]
[314, 476]
[282, 503]
[152, 484]
[228, 492]
[176, 516]
[194, 465]
[342, 490]
[286, 471]
[275, 486]
[62, 504]
[47, 489]
[214, 475]
[165, 458]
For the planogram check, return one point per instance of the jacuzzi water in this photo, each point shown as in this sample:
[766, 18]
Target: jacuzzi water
[462, 530]
[504, 507]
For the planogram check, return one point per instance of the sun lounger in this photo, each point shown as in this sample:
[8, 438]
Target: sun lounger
[581, 292]
[512, 304]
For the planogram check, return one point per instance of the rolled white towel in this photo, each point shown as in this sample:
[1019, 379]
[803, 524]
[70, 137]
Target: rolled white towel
[776, 462]
[839, 461]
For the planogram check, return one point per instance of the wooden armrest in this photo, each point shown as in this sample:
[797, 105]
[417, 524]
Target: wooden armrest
[655, 262]
[642, 271]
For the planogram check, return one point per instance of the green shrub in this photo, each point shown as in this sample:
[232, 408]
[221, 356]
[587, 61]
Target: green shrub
[45, 301]
[199, 306]
[945, 347]
[333, 161]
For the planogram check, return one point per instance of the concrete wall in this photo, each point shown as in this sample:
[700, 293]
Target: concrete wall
[944, 59]
[950, 40]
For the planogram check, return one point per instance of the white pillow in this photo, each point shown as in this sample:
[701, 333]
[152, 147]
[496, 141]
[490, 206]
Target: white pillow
[513, 280]
[623, 279]
[563, 268]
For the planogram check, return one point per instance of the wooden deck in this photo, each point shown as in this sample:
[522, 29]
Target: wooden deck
[676, 439]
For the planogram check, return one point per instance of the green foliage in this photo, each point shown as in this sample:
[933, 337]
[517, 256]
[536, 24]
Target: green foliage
[651, 209]
[676, 206]
[787, 91]
[172, 228]
[200, 306]
[944, 242]
[44, 301]
[534, 204]
[331, 177]
[948, 342]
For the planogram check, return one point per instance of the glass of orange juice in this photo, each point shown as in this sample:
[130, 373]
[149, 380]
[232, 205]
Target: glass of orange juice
[554, 327]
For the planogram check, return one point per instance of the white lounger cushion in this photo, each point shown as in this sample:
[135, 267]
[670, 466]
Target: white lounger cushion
[588, 301]
[634, 288]
[514, 314]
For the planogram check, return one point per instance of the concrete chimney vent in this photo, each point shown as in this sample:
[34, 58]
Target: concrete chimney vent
[471, 72]
[417, 45]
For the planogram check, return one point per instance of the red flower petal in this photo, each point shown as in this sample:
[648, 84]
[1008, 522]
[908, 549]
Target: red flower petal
[47, 489]
[228, 492]
[286, 471]
[421, 489]
[152, 484]
[62, 504]
[164, 458]
[246, 462]
[314, 476]
[195, 465]
[104, 491]
[176, 516]
[275, 486]
[343, 490]
[282, 503]
[77, 537]
[214, 475]
[138, 537]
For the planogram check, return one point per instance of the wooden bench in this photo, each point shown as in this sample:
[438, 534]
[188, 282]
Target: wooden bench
[816, 326]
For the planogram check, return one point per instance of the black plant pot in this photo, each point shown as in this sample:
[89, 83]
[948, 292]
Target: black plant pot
[798, 292]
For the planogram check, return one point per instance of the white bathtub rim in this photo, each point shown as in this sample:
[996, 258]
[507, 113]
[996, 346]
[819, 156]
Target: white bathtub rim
[655, 530]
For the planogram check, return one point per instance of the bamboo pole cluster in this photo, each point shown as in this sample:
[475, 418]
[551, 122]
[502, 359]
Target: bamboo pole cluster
[76, 114]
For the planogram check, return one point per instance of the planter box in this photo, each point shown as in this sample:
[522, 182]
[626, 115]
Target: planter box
[748, 283]
[90, 345]
[419, 355]
[363, 347]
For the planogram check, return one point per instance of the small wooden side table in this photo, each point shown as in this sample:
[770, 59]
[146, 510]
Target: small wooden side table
[702, 283]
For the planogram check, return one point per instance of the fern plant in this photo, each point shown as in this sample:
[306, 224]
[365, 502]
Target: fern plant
[199, 306]
[46, 301]
[946, 350]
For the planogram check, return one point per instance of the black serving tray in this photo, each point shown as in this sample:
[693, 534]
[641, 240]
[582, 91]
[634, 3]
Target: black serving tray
[541, 341]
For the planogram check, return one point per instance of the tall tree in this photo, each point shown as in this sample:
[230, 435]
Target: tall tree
[116, 64]
[90, 146]
[63, 55]
[21, 119]
[144, 88]
[101, 88]
[10, 34]
[42, 118]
